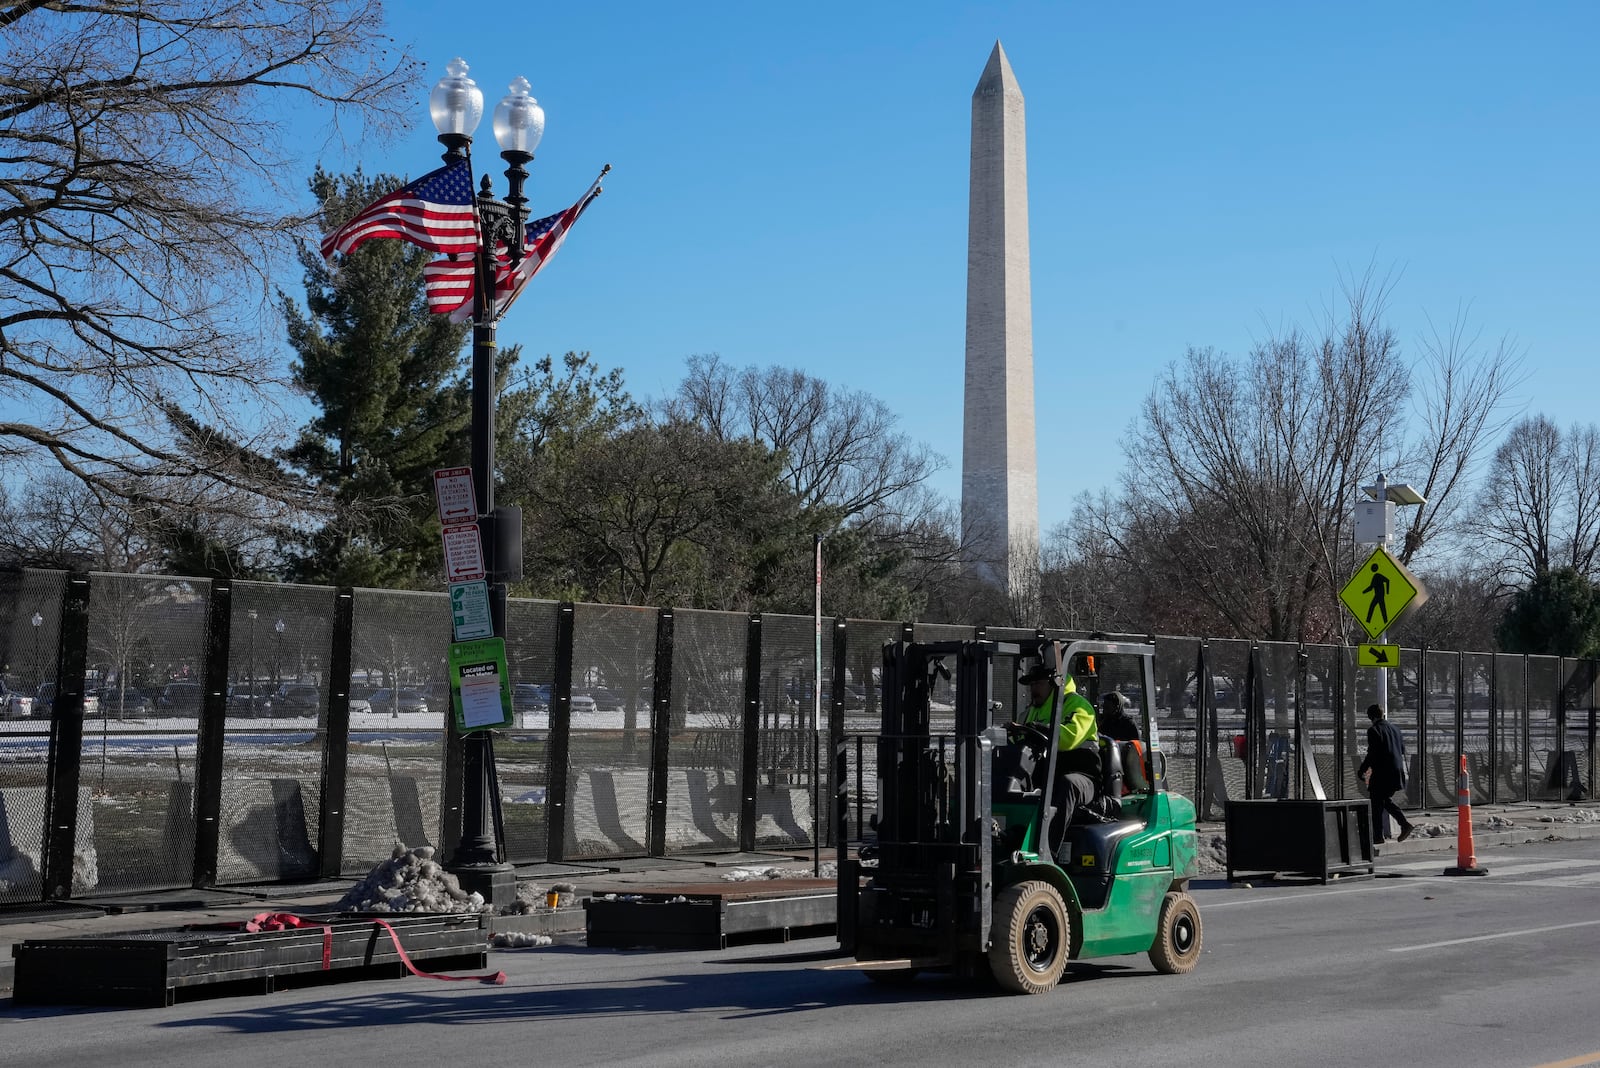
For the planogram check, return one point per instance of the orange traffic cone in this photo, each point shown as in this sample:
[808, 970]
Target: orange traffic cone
[1466, 856]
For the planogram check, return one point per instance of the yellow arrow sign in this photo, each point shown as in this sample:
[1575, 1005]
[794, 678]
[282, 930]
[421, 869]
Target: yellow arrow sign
[1378, 655]
[1380, 591]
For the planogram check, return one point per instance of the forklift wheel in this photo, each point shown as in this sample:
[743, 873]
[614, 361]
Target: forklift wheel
[1178, 935]
[1031, 938]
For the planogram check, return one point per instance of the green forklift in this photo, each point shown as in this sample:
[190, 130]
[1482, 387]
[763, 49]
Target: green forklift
[972, 870]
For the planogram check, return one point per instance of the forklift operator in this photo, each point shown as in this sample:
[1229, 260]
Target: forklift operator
[1078, 762]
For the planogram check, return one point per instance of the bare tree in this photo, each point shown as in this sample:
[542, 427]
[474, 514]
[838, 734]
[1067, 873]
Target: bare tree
[1461, 407]
[840, 449]
[1540, 507]
[142, 194]
[1242, 474]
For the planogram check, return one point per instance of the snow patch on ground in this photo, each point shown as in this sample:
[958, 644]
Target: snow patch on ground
[1435, 830]
[411, 881]
[1576, 815]
[829, 870]
[520, 940]
[1498, 823]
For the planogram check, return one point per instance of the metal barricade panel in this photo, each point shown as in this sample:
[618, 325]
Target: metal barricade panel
[522, 753]
[138, 773]
[708, 693]
[399, 697]
[1543, 689]
[30, 629]
[277, 709]
[784, 788]
[608, 778]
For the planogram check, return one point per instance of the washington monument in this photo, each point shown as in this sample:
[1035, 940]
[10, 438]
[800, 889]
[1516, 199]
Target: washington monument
[999, 469]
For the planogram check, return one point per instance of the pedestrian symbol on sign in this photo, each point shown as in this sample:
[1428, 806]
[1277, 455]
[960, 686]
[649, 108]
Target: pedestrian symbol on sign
[1379, 588]
[1381, 591]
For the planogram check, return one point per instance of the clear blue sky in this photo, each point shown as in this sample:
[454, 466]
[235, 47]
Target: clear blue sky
[790, 187]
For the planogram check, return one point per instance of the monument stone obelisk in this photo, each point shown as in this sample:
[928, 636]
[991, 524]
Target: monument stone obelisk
[999, 466]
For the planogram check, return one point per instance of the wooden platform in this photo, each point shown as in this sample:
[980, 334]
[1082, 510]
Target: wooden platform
[159, 967]
[708, 915]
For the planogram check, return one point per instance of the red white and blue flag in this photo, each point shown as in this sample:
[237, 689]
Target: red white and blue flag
[450, 282]
[435, 212]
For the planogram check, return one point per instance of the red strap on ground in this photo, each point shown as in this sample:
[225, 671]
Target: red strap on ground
[281, 921]
[497, 979]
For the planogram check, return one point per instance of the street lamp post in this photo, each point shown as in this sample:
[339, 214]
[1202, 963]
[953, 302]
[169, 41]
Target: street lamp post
[250, 683]
[456, 105]
[277, 654]
[38, 669]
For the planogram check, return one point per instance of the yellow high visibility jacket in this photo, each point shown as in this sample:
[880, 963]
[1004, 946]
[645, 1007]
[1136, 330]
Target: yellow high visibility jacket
[1078, 726]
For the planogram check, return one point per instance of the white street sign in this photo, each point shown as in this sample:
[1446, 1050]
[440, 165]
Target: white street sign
[463, 554]
[469, 610]
[452, 489]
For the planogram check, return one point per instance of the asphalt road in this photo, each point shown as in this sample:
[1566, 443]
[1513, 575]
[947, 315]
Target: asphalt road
[1413, 969]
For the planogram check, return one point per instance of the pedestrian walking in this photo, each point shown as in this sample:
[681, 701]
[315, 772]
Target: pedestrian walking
[1384, 772]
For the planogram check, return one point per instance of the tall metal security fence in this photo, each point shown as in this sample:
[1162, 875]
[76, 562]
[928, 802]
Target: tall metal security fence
[161, 732]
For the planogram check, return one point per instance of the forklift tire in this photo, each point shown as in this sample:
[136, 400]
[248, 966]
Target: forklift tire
[1178, 935]
[1031, 938]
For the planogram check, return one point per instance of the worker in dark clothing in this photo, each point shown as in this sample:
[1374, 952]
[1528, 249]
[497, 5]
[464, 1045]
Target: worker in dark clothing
[1115, 722]
[1384, 772]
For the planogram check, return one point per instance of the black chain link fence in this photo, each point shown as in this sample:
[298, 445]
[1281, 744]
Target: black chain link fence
[308, 726]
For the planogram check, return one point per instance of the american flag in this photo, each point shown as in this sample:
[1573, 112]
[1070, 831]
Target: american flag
[450, 281]
[435, 212]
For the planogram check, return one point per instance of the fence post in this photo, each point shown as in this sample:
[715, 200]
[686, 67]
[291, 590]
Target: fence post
[66, 740]
[1494, 728]
[336, 737]
[1421, 785]
[1252, 731]
[1343, 653]
[1301, 670]
[1461, 709]
[660, 737]
[559, 737]
[841, 650]
[1205, 731]
[750, 736]
[1527, 735]
[208, 747]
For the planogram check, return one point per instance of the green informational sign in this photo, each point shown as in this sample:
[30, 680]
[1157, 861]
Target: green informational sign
[480, 684]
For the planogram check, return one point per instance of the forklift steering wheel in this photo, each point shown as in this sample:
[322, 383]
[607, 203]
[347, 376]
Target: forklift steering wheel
[1033, 735]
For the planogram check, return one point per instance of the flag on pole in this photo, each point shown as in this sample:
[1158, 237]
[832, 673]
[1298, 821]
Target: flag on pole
[450, 281]
[435, 212]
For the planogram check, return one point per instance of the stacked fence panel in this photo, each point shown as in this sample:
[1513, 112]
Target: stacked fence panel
[1320, 712]
[1544, 686]
[399, 698]
[522, 753]
[146, 672]
[707, 722]
[30, 624]
[785, 790]
[1229, 663]
[613, 694]
[1174, 722]
[277, 699]
[1437, 748]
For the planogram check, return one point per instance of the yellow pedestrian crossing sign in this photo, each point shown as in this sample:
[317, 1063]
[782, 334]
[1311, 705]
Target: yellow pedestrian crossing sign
[1380, 591]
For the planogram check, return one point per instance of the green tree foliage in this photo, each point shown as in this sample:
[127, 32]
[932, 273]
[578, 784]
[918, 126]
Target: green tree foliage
[392, 397]
[652, 514]
[847, 472]
[1557, 614]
